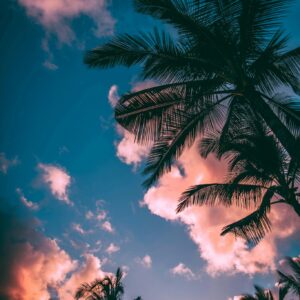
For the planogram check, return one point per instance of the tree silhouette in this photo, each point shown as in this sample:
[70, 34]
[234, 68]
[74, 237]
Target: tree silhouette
[108, 288]
[290, 282]
[225, 56]
[260, 294]
[260, 175]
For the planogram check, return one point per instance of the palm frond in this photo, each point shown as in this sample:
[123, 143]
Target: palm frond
[254, 226]
[144, 112]
[181, 130]
[241, 195]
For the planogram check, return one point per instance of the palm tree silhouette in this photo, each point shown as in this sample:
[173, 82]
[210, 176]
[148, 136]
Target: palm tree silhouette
[260, 294]
[260, 175]
[290, 283]
[223, 57]
[108, 288]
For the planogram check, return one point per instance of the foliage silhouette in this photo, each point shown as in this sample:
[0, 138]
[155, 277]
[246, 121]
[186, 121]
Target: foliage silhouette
[260, 175]
[225, 56]
[260, 294]
[290, 282]
[108, 288]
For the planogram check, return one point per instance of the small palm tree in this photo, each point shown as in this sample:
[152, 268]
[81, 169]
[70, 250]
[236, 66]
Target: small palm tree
[224, 56]
[290, 283]
[108, 288]
[260, 175]
[260, 294]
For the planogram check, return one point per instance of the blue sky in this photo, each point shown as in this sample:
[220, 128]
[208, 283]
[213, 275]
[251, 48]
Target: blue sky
[55, 113]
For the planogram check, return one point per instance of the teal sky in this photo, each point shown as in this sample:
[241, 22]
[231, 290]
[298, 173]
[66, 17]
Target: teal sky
[56, 117]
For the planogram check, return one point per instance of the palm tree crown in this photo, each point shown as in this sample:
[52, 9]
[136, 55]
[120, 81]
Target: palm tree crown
[225, 56]
[108, 288]
[260, 174]
[260, 294]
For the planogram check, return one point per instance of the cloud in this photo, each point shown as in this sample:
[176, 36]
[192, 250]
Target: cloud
[29, 204]
[112, 248]
[78, 228]
[58, 181]
[222, 254]
[50, 65]
[88, 271]
[56, 16]
[128, 151]
[107, 227]
[33, 263]
[113, 96]
[6, 164]
[145, 261]
[182, 270]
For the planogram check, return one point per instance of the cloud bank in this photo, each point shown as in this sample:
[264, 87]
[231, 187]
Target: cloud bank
[35, 264]
[204, 224]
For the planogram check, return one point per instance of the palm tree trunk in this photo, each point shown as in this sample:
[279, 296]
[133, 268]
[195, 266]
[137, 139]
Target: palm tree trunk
[285, 137]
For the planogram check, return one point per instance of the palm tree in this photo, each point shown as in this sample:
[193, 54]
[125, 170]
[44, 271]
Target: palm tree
[290, 283]
[260, 175]
[108, 288]
[224, 55]
[260, 294]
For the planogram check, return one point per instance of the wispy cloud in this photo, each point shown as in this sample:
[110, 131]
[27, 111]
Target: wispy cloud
[29, 204]
[106, 226]
[145, 261]
[78, 228]
[6, 163]
[182, 270]
[58, 180]
[112, 248]
[56, 16]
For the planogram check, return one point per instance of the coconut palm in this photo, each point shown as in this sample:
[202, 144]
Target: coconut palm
[290, 282]
[108, 288]
[260, 175]
[220, 56]
[260, 294]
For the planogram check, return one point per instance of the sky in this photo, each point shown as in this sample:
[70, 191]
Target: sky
[72, 205]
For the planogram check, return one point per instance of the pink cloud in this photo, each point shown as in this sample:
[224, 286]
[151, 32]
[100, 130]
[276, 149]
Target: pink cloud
[113, 95]
[107, 227]
[58, 181]
[112, 248]
[145, 261]
[204, 224]
[56, 16]
[34, 262]
[78, 228]
[88, 271]
[29, 204]
[182, 270]
[128, 151]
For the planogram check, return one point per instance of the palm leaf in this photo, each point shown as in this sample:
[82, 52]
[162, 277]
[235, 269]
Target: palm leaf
[254, 226]
[241, 195]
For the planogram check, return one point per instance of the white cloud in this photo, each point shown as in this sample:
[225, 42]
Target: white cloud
[113, 96]
[112, 248]
[56, 16]
[107, 227]
[6, 163]
[29, 204]
[182, 270]
[58, 181]
[145, 261]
